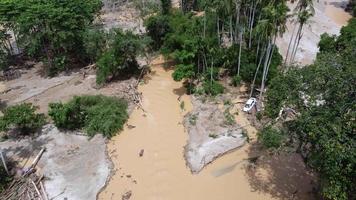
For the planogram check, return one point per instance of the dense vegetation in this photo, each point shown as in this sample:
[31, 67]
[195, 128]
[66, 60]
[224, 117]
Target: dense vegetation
[118, 60]
[237, 38]
[95, 114]
[23, 117]
[323, 95]
[352, 7]
[51, 31]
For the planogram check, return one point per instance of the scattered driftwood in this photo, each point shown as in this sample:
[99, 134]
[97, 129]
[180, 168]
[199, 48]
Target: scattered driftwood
[28, 186]
[141, 152]
[127, 195]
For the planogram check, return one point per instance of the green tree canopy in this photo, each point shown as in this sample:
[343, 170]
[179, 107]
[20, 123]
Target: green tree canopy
[324, 95]
[50, 29]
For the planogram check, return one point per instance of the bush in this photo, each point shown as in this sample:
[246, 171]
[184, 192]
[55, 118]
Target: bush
[94, 114]
[157, 28]
[213, 88]
[120, 59]
[270, 137]
[95, 44]
[166, 6]
[51, 30]
[23, 117]
[236, 80]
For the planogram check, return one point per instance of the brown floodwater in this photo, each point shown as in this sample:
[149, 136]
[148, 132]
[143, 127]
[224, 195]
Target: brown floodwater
[161, 173]
[337, 13]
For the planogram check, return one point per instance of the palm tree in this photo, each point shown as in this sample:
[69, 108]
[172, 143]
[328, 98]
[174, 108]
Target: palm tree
[304, 10]
[274, 25]
[303, 17]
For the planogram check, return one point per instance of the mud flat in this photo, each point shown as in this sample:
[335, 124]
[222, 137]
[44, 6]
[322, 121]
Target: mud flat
[74, 167]
[210, 133]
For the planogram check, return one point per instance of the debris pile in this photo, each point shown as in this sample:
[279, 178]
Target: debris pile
[27, 186]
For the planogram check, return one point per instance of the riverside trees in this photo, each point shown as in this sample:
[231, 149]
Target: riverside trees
[238, 36]
[50, 30]
[324, 96]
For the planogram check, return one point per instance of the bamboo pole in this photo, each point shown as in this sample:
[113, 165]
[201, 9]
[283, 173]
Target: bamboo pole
[34, 163]
[37, 191]
[3, 162]
[43, 191]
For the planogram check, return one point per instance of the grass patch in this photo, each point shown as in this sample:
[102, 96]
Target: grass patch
[182, 105]
[22, 117]
[94, 114]
[229, 118]
[193, 120]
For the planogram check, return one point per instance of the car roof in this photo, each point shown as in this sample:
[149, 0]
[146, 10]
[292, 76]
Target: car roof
[250, 100]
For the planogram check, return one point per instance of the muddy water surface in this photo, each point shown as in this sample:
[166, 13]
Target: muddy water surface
[161, 173]
[335, 10]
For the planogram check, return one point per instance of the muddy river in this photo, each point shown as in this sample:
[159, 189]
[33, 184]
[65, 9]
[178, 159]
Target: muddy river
[161, 172]
[335, 10]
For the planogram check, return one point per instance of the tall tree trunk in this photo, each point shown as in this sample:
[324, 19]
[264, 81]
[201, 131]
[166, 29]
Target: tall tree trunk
[258, 48]
[298, 41]
[251, 24]
[257, 69]
[237, 20]
[240, 49]
[290, 42]
[268, 53]
[270, 58]
[231, 31]
[204, 32]
[295, 48]
[218, 28]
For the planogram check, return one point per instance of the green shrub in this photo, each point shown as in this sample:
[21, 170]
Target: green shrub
[166, 6]
[94, 114]
[157, 28]
[23, 117]
[236, 80]
[229, 118]
[270, 137]
[119, 61]
[95, 43]
[213, 88]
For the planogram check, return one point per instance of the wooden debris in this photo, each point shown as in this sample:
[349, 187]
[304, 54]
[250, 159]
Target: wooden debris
[28, 186]
[34, 163]
[4, 162]
[141, 152]
[127, 195]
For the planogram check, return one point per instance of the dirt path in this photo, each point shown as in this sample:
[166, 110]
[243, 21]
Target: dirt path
[161, 172]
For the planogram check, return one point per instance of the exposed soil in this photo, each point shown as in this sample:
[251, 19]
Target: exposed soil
[122, 14]
[34, 88]
[212, 131]
[73, 166]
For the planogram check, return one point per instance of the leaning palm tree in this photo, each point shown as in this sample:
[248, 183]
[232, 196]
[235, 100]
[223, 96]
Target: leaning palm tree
[274, 25]
[304, 10]
[303, 17]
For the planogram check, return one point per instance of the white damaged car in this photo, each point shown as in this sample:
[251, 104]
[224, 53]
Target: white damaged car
[249, 105]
